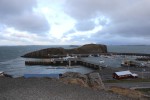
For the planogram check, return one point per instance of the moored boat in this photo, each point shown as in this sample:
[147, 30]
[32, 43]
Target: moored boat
[129, 63]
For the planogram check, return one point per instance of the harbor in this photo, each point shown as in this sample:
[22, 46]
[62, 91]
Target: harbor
[74, 50]
[102, 64]
[68, 63]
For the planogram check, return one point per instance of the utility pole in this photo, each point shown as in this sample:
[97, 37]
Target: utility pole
[143, 73]
[69, 63]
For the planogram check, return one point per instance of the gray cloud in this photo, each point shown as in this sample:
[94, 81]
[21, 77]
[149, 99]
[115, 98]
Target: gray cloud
[85, 25]
[29, 22]
[10, 7]
[128, 18]
[86, 9]
[20, 15]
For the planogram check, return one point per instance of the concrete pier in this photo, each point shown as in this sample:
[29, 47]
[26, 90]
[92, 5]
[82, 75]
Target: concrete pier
[61, 62]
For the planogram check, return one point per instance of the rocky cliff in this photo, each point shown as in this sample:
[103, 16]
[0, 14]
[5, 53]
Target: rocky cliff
[85, 49]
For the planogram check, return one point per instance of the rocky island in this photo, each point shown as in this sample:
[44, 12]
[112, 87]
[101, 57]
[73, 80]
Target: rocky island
[85, 49]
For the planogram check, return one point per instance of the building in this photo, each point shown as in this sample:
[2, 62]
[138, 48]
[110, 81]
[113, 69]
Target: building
[124, 75]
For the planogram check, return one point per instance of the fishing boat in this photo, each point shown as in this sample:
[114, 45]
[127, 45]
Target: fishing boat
[101, 61]
[1, 73]
[129, 63]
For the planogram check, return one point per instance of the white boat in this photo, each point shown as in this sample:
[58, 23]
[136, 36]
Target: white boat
[90, 55]
[1, 73]
[129, 63]
[101, 61]
[68, 57]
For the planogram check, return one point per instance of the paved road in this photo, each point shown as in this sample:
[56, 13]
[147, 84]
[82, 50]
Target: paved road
[129, 85]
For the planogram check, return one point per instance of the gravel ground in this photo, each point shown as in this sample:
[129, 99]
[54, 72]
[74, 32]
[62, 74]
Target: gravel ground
[48, 89]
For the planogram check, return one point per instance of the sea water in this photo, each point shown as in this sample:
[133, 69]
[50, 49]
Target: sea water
[12, 63]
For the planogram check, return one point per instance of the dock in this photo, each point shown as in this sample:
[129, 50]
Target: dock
[127, 54]
[94, 55]
[58, 60]
[68, 62]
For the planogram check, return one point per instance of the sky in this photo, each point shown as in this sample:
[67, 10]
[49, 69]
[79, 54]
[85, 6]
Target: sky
[74, 22]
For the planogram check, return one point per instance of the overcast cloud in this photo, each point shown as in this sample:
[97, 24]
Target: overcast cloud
[75, 21]
[19, 14]
[128, 18]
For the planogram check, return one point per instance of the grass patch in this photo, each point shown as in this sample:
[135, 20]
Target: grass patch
[145, 91]
[126, 92]
[127, 80]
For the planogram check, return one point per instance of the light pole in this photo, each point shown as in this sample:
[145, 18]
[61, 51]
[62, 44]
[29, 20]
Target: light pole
[69, 61]
[143, 73]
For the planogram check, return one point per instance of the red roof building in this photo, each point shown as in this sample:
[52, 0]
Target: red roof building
[124, 75]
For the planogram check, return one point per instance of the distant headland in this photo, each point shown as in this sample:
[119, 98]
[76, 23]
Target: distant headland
[85, 49]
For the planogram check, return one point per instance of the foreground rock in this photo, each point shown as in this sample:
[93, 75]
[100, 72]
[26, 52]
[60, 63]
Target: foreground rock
[95, 81]
[75, 78]
[75, 75]
[51, 52]
[49, 89]
[92, 80]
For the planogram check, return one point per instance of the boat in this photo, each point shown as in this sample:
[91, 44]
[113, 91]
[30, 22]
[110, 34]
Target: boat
[68, 57]
[90, 55]
[101, 61]
[4, 74]
[129, 63]
[1, 73]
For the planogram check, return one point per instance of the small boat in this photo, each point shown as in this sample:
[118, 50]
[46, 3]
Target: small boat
[90, 55]
[101, 61]
[129, 63]
[68, 57]
[1, 73]
[4, 74]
